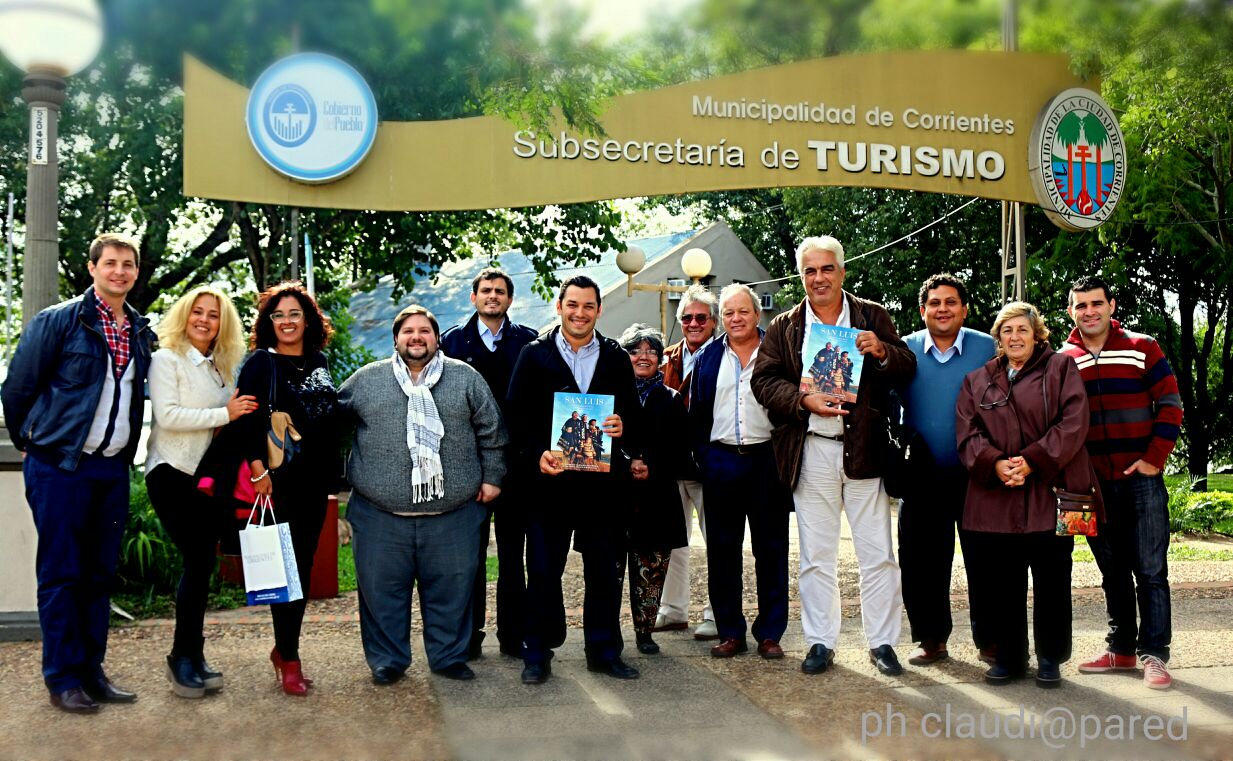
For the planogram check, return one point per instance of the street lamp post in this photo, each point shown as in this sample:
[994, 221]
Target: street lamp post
[48, 40]
[695, 263]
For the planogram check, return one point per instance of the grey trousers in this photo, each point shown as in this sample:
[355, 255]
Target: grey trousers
[393, 553]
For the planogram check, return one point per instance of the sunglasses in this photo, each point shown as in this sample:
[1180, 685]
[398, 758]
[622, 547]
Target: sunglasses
[698, 318]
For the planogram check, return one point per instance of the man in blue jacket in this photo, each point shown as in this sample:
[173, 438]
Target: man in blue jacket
[491, 343]
[73, 403]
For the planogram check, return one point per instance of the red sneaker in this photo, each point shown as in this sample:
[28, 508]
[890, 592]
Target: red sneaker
[1109, 661]
[1155, 673]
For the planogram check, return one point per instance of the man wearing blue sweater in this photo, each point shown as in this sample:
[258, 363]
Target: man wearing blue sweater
[945, 353]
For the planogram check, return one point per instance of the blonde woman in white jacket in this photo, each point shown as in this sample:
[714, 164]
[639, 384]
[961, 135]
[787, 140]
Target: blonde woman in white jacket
[192, 393]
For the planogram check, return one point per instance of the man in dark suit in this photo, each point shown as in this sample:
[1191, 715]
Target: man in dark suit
[731, 436]
[490, 343]
[573, 358]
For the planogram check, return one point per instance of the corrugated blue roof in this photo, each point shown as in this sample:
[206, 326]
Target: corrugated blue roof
[448, 295]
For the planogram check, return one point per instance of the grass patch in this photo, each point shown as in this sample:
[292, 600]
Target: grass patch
[1177, 553]
[1215, 481]
[490, 568]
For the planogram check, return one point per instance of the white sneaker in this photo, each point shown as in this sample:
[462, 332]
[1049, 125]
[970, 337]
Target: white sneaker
[706, 630]
[665, 624]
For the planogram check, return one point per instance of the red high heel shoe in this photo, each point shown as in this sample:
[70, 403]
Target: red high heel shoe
[290, 674]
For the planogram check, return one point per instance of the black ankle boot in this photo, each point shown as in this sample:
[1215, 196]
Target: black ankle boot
[212, 679]
[183, 677]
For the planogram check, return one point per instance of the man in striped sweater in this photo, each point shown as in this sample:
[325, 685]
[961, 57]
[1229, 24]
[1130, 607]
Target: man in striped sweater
[1136, 417]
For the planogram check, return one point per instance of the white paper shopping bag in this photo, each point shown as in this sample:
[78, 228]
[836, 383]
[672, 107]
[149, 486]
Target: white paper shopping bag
[270, 572]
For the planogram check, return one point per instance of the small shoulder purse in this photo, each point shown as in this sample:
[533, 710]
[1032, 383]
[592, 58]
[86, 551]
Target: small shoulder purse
[282, 439]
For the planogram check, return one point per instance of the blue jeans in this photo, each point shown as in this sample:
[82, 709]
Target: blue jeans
[80, 516]
[395, 552]
[1131, 551]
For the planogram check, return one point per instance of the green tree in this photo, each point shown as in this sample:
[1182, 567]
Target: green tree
[438, 59]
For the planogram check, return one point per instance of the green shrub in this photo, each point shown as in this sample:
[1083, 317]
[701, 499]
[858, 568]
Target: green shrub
[1201, 512]
[149, 560]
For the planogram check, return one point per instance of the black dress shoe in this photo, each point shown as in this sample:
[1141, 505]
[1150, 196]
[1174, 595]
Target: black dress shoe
[646, 645]
[536, 673]
[1048, 673]
[1000, 674]
[384, 675]
[616, 668]
[74, 700]
[885, 659]
[213, 680]
[185, 682]
[107, 692]
[817, 660]
[459, 671]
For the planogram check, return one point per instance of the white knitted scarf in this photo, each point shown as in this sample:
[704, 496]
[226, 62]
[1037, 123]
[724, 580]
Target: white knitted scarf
[424, 429]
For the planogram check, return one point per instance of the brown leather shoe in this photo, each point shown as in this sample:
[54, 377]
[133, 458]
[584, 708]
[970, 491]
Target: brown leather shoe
[729, 647]
[929, 652]
[74, 700]
[770, 649]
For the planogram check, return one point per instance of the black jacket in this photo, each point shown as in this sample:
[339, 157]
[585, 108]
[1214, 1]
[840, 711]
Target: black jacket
[658, 522]
[56, 376]
[463, 342]
[539, 374]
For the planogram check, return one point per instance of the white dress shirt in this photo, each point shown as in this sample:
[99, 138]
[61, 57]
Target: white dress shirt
[687, 356]
[488, 337]
[943, 356]
[582, 362]
[739, 419]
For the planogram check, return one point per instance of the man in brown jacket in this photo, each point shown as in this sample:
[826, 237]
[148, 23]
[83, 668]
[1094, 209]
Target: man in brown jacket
[698, 315]
[831, 454]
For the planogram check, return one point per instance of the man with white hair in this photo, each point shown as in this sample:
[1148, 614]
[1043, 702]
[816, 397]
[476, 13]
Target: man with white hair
[830, 455]
[732, 442]
[698, 315]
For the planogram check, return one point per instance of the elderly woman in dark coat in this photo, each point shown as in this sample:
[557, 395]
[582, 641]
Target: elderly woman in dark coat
[657, 525]
[1022, 421]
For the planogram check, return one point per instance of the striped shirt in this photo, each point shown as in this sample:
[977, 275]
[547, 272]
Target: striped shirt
[1135, 406]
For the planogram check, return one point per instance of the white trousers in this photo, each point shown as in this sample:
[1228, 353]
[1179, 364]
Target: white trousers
[674, 601]
[821, 494]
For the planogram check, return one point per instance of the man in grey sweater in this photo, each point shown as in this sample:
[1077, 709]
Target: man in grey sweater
[419, 481]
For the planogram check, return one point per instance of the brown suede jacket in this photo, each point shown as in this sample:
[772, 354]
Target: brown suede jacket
[777, 386]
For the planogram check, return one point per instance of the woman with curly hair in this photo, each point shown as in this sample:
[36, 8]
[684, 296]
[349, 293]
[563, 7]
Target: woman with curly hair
[287, 372]
[192, 394]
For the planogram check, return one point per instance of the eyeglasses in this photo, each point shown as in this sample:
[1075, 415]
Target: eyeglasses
[698, 318]
[292, 316]
[995, 404]
[643, 353]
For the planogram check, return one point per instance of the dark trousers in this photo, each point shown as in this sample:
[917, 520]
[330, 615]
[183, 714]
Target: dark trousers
[737, 488]
[393, 554]
[603, 549]
[80, 518]
[505, 519]
[928, 518]
[647, 571]
[1002, 563]
[1131, 551]
[194, 524]
[301, 503]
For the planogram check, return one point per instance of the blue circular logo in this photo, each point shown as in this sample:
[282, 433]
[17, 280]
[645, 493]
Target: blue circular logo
[312, 117]
[290, 115]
